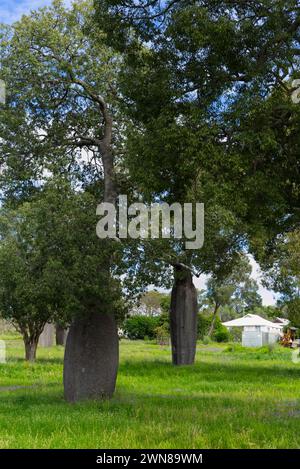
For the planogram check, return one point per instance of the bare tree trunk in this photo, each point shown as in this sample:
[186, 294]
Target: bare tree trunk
[92, 348]
[212, 326]
[183, 318]
[30, 349]
[110, 193]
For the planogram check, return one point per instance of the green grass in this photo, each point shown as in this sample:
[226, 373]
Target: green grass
[231, 398]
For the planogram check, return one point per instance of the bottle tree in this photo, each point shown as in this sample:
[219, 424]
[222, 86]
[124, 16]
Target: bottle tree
[61, 116]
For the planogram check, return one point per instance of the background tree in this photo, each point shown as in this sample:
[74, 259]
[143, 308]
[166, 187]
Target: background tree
[247, 298]
[150, 303]
[232, 290]
[282, 273]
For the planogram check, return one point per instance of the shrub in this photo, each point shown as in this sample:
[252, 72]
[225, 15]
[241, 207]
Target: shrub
[158, 327]
[221, 334]
[141, 327]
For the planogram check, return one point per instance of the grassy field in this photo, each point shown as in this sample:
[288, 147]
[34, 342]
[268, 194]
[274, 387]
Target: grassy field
[231, 398]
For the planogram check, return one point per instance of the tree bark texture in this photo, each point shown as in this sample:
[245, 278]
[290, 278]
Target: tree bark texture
[91, 358]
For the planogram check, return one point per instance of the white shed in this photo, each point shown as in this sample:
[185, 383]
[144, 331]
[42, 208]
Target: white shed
[257, 331]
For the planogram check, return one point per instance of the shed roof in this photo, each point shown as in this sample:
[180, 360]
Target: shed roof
[251, 320]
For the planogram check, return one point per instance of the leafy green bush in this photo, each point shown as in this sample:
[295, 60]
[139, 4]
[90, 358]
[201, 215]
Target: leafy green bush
[141, 327]
[221, 334]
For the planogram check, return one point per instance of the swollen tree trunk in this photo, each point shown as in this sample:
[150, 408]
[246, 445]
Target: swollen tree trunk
[30, 349]
[212, 326]
[92, 348]
[183, 318]
[91, 358]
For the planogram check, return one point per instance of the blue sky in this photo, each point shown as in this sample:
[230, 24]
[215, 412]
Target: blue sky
[12, 10]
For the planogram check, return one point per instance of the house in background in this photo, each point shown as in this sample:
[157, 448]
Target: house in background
[257, 331]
